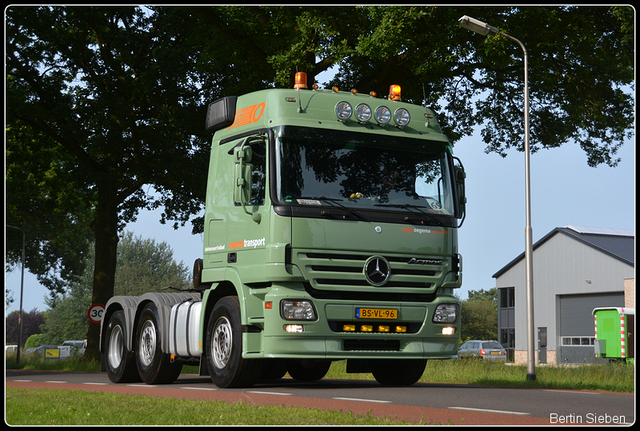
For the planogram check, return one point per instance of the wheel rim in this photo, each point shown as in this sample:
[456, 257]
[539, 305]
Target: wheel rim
[222, 343]
[147, 347]
[116, 341]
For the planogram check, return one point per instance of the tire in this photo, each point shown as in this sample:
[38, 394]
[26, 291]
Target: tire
[273, 369]
[398, 372]
[154, 366]
[120, 363]
[223, 347]
[307, 370]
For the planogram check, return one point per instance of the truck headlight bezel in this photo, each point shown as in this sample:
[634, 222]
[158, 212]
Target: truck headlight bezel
[446, 313]
[298, 310]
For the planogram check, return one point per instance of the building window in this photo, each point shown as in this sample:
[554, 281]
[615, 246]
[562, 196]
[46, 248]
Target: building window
[506, 320]
[507, 297]
[578, 341]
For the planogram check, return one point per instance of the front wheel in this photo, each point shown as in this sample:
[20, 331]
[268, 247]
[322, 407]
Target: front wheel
[398, 372]
[223, 347]
[154, 366]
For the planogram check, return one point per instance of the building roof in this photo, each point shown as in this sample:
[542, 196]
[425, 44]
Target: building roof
[617, 243]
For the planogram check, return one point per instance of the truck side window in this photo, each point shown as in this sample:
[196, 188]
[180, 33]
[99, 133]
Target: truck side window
[258, 174]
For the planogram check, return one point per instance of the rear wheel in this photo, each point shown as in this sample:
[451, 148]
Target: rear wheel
[154, 366]
[307, 370]
[273, 369]
[223, 347]
[120, 363]
[398, 372]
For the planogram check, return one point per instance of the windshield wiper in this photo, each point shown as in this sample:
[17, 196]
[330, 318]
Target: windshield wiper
[415, 207]
[336, 203]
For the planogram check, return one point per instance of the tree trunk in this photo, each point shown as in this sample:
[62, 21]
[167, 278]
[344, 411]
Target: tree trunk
[105, 228]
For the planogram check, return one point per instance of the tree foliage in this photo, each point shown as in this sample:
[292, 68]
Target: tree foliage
[105, 104]
[143, 266]
[31, 322]
[479, 315]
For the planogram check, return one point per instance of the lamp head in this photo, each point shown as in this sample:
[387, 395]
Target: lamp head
[477, 26]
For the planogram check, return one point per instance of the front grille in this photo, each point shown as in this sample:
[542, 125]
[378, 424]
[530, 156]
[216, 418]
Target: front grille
[344, 271]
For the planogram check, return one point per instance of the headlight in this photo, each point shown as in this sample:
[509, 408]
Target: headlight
[402, 117]
[297, 310]
[363, 112]
[343, 111]
[445, 313]
[383, 115]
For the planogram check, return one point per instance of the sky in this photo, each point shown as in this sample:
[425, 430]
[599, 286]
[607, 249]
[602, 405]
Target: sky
[564, 191]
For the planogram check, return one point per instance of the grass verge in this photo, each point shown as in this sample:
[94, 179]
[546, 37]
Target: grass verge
[67, 407]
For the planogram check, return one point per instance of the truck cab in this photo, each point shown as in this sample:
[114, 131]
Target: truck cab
[330, 233]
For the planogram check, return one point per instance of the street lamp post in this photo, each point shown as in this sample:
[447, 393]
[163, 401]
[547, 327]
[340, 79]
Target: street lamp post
[21, 294]
[485, 29]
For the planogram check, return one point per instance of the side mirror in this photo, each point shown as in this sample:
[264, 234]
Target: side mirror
[242, 189]
[243, 181]
[460, 176]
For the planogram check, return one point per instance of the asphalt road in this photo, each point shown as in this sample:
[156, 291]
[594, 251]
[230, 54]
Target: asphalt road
[422, 402]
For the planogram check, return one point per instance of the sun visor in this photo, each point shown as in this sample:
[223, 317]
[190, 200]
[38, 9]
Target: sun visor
[221, 113]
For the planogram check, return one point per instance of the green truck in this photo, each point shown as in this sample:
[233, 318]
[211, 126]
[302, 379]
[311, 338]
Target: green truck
[330, 233]
[614, 330]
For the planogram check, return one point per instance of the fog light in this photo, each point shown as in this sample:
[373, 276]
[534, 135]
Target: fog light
[366, 328]
[294, 328]
[363, 112]
[349, 328]
[401, 329]
[448, 330]
[402, 117]
[383, 328]
[343, 111]
[383, 114]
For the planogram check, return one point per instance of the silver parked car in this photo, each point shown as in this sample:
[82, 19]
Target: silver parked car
[487, 349]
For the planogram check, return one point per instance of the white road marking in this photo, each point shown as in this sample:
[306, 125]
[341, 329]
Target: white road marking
[268, 393]
[55, 381]
[193, 388]
[505, 412]
[361, 399]
[22, 381]
[95, 383]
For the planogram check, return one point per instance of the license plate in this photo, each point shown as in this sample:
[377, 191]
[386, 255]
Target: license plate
[376, 313]
[496, 353]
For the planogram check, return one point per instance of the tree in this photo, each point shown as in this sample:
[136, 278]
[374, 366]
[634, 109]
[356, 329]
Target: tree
[142, 266]
[479, 315]
[107, 103]
[31, 323]
[106, 94]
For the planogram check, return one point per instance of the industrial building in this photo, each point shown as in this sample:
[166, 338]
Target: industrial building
[575, 269]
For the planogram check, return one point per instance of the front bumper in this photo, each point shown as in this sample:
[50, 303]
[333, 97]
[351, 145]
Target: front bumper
[325, 338]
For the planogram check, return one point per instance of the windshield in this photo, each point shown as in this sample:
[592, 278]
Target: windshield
[324, 167]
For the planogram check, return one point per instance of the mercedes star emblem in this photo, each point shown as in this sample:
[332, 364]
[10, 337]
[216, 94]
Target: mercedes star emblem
[377, 270]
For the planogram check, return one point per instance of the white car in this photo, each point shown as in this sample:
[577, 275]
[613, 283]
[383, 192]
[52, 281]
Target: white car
[487, 349]
[77, 346]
